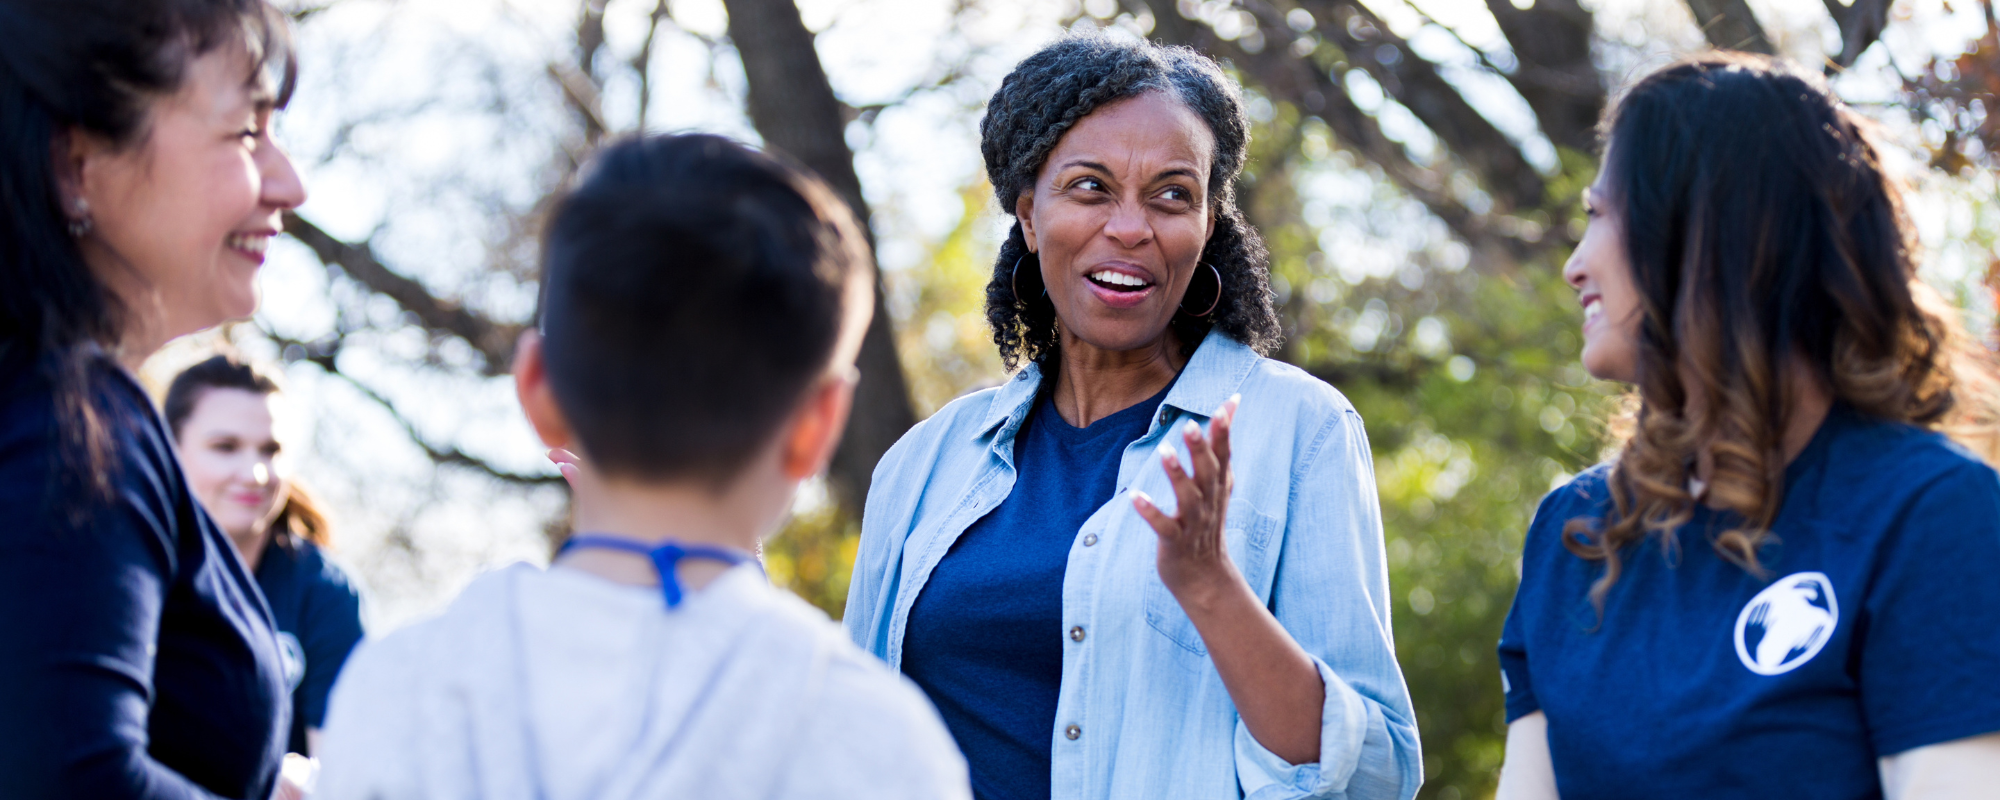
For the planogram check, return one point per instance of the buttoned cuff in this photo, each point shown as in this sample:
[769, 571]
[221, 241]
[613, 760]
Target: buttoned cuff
[1343, 724]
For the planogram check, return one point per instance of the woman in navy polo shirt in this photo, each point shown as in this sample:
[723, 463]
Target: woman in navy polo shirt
[223, 415]
[1787, 583]
[139, 186]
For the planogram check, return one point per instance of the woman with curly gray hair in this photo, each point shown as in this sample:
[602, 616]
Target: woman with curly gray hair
[1081, 638]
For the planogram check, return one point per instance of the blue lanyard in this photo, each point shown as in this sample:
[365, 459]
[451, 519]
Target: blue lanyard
[665, 555]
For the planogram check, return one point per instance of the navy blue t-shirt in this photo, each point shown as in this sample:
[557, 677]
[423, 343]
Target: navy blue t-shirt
[1875, 630]
[319, 622]
[137, 658]
[985, 636]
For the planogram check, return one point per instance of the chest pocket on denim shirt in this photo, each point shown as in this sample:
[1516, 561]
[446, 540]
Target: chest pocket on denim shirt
[1248, 534]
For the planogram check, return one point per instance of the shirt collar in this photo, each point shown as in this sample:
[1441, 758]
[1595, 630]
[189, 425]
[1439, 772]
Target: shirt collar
[1215, 371]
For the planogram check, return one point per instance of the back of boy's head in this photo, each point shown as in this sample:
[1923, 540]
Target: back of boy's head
[693, 289]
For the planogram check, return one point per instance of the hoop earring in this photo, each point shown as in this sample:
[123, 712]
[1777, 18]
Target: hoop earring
[1014, 280]
[1212, 303]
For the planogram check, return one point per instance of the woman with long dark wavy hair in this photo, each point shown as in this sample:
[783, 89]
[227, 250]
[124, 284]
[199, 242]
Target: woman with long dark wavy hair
[1787, 583]
[139, 186]
[1111, 583]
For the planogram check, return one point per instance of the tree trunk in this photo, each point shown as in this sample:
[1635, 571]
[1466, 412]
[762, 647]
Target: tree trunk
[1551, 42]
[1730, 25]
[794, 109]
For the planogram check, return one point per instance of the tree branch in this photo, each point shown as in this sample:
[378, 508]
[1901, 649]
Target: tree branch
[1551, 42]
[323, 355]
[1860, 25]
[1729, 25]
[580, 85]
[642, 64]
[494, 341]
[1416, 83]
[580, 94]
[1316, 91]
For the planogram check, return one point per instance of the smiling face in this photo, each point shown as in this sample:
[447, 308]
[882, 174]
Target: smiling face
[231, 452]
[1600, 270]
[1118, 217]
[180, 220]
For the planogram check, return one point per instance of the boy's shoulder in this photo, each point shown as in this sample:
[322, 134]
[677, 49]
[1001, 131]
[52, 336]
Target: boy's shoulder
[858, 684]
[869, 731]
[477, 630]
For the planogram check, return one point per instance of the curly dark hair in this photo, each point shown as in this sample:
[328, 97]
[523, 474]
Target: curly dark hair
[1042, 99]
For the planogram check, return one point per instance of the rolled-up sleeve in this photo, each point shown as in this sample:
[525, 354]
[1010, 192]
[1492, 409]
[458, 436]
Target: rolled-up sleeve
[1331, 592]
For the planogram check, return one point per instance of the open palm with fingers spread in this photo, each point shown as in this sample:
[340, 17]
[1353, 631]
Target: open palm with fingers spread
[1193, 553]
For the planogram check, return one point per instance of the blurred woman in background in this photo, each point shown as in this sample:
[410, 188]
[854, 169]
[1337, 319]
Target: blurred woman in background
[1784, 584]
[139, 186]
[224, 415]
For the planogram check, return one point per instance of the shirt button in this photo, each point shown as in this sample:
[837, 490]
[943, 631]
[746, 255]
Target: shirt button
[1073, 732]
[1089, 539]
[1076, 634]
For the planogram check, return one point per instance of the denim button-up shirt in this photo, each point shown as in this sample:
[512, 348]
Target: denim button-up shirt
[1142, 711]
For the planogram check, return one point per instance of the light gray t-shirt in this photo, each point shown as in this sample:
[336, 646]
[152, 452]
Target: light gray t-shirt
[557, 684]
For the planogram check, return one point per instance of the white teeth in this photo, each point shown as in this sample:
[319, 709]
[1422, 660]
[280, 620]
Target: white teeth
[249, 242]
[1592, 308]
[1116, 278]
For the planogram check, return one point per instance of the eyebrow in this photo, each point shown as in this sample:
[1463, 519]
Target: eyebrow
[1181, 171]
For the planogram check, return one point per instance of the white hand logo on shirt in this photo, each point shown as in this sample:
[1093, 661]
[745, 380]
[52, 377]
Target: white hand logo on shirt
[1786, 624]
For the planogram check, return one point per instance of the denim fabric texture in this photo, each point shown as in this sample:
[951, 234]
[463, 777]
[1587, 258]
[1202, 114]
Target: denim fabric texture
[1143, 712]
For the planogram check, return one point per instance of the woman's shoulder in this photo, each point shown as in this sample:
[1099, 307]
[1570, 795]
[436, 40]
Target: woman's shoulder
[1892, 456]
[28, 402]
[1274, 382]
[321, 576]
[1587, 495]
[35, 469]
[1587, 490]
[958, 421]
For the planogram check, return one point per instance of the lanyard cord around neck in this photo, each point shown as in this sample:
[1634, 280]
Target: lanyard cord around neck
[665, 555]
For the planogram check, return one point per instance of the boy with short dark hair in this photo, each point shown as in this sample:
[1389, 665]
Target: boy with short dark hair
[702, 307]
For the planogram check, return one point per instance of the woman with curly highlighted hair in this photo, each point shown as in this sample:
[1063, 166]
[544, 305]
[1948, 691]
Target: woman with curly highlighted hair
[1081, 638]
[1784, 585]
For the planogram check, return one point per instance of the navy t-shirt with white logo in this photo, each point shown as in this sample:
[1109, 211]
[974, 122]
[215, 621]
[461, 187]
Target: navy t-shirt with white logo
[1875, 629]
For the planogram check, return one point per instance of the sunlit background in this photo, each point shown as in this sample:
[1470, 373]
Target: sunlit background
[1415, 170]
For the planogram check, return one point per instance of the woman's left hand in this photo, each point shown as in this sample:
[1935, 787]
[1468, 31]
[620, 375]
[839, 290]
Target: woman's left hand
[1194, 557]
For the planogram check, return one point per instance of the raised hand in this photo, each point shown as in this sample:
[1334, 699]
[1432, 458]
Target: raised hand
[1193, 553]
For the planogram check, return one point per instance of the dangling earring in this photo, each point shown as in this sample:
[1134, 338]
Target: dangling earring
[1212, 303]
[80, 225]
[1014, 280]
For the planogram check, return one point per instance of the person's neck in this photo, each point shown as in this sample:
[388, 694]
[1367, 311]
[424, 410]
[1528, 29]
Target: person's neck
[1095, 383]
[146, 327]
[1811, 402]
[687, 513]
[251, 546]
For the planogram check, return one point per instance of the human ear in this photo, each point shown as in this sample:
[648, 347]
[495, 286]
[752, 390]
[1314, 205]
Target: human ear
[70, 152]
[1024, 210]
[816, 427]
[538, 399]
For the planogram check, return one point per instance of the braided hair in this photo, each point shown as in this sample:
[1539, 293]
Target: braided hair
[1040, 101]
